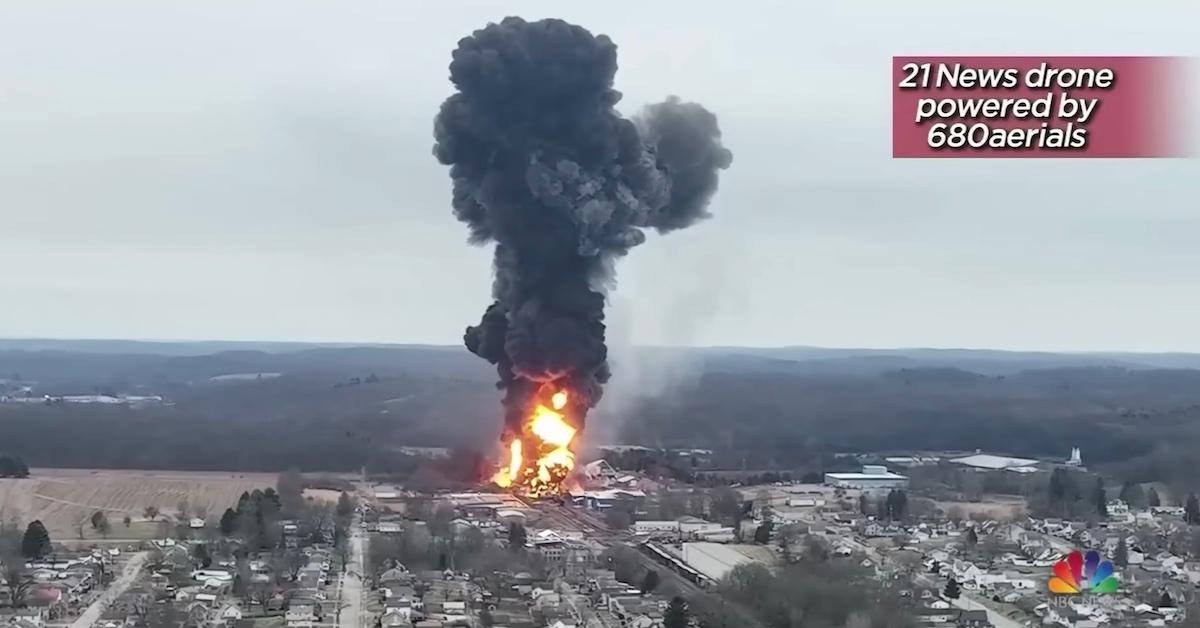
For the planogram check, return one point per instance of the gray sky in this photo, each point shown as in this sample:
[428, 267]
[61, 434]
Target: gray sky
[262, 170]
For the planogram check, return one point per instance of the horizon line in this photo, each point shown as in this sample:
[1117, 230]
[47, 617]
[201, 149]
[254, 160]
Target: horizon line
[386, 344]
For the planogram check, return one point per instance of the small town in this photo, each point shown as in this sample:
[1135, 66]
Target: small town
[675, 314]
[935, 535]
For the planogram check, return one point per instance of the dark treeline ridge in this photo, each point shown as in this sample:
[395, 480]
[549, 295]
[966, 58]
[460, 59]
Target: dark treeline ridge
[1142, 422]
[311, 422]
[13, 467]
[340, 409]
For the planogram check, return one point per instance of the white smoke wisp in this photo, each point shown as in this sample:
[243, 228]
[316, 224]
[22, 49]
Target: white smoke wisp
[669, 368]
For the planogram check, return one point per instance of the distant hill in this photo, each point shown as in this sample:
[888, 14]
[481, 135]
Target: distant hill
[986, 361]
[198, 347]
[63, 371]
[983, 361]
[341, 406]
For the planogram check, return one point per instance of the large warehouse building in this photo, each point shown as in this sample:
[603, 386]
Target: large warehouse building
[714, 560]
[995, 463]
[873, 477]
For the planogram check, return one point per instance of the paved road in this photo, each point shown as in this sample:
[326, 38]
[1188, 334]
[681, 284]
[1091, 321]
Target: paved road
[128, 575]
[351, 602]
[998, 620]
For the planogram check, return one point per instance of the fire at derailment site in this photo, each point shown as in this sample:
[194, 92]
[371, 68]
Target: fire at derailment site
[548, 443]
[547, 169]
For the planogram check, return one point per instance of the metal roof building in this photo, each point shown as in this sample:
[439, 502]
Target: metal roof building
[988, 461]
[872, 477]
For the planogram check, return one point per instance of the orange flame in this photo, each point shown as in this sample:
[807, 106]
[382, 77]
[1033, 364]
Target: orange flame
[549, 435]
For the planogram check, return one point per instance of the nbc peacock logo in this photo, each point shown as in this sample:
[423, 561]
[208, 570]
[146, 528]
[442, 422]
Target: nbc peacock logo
[1080, 573]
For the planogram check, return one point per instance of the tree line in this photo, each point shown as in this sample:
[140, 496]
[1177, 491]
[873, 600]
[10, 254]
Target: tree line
[15, 549]
[784, 421]
[821, 590]
[13, 467]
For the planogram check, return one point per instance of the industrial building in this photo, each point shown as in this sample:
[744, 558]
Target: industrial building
[712, 559]
[605, 499]
[873, 477]
[989, 462]
[683, 527]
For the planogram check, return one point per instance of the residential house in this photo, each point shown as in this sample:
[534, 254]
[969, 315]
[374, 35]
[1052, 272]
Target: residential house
[393, 618]
[23, 617]
[395, 576]
[934, 616]
[400, 610]
[875, 529]
[300, 616]
[973, 619]
[228, 615]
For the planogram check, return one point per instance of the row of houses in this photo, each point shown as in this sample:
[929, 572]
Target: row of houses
[58, 586]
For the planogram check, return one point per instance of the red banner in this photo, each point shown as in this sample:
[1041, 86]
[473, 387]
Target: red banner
[1038, 107]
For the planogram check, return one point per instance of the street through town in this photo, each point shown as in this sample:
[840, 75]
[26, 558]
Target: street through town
[350, 603]
[128, 574]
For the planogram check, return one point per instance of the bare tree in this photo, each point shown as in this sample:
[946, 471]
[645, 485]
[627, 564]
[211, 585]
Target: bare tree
[100, 523]
[197, 616]
[10, 536]
[990, 547]
[289, 562]
[151, 512]
[907, 562]
[439, 522]
[139, 607]
[14, 575]
[262, 593]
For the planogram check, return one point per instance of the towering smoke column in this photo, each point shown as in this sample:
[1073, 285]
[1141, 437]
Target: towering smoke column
[544, 166]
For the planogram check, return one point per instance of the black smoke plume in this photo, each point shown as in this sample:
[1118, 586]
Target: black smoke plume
[545, 167]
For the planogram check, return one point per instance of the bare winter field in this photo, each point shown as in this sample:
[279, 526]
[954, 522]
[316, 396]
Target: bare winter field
[63, 498]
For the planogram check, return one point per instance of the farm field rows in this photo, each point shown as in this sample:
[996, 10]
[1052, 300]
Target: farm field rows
[63, 498]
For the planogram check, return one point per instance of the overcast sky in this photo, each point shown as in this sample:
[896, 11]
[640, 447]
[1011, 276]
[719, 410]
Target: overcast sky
[253, 170]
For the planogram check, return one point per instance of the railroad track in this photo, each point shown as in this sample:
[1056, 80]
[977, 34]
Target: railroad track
[561, 514]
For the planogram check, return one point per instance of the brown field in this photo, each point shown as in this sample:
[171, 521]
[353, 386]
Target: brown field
[62, 498]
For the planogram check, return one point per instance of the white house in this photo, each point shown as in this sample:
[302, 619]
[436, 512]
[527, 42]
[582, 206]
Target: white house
[228, 615]
[300, 616]
[394, 618]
